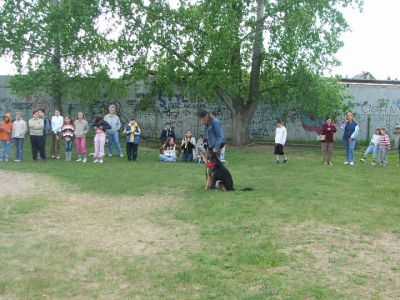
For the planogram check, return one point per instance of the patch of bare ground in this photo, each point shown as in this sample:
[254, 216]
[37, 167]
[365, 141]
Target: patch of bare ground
[121, 225]
[354, 264]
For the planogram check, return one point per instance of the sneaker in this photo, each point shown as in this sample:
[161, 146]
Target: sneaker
[109, 155]
[331, 164]
[58, 157]
[53, 157]
[362, 160]
[223, 161]
[373, 163]
[346, 162]
[351, 163]
[121, 155]
[16, 160]
[79, 159]
[84, 160]
[100, 161]
[285, 160]
[96, 161]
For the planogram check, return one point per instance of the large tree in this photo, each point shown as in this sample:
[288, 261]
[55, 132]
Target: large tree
[240, 51]
[55, 44]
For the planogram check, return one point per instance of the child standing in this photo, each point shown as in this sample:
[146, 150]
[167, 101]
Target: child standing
[280, 140]
[19, 130]
[67, 130]
[81, 129]
[57, 122]
[373, 146]
[132, 132]
[397, 140]
[5, 137]
[100, 127]
[384, 147]
[187, 145]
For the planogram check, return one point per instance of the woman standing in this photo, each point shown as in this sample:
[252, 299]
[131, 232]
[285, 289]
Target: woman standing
[328, 129]
[351, 130]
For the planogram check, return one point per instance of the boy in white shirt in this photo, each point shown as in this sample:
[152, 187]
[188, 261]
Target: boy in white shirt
[280, 140]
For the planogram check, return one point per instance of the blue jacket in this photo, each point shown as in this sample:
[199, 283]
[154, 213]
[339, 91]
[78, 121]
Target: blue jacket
[351, 130]
[214, 134]
[132, 136]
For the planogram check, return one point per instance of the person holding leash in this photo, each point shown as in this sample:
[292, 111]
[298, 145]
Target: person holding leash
[213, 132]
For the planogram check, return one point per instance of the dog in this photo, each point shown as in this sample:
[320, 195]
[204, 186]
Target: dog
[218, 176]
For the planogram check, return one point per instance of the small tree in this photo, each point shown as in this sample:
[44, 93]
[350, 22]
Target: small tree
[56, 47]
[240, 51]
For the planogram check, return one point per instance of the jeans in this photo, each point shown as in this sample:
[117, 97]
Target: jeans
[372, 148]
[113, 139]
[19, 144]
[349, 147]
[187, 157]
[5, 147]
[167, 158]
[383, 152]
[68, 145]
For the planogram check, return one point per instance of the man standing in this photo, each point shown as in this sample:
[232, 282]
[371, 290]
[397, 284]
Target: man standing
[112, 134]
[213, 132]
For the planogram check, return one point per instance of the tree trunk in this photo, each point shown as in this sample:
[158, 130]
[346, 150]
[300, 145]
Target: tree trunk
[57, 94]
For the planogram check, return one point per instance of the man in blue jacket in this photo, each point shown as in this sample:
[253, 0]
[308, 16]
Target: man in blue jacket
[213, 132]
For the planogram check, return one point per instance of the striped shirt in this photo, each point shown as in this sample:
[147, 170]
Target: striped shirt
[68, 131]
[385, 141]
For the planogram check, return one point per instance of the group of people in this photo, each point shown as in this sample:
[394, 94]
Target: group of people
[69, 131]
[213, 139]
[380, 142]
[107, 128]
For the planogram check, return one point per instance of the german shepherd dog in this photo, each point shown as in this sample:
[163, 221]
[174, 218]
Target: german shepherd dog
[218, 176]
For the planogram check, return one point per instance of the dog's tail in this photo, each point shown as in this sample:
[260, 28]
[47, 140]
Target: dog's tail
[246, 189]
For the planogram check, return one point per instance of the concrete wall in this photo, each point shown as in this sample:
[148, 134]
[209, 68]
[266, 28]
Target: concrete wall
[380, 103]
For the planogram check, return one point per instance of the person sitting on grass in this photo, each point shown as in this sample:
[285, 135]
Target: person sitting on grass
[188, 144]
[168, 151]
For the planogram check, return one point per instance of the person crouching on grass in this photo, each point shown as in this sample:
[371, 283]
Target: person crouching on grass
[132, 132]
[280, 140]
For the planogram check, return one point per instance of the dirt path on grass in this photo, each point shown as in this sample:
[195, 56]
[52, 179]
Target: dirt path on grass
[122, 225]
[369, 264]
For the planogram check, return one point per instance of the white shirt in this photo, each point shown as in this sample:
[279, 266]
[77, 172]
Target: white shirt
[56, 123]
[280, 135]
[376, 139]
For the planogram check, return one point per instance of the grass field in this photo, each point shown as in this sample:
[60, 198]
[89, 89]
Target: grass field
[148, 230]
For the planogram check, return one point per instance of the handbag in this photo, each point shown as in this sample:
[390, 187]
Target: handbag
[321, 137]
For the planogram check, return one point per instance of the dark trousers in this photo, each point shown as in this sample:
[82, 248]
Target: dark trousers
[187, 157]
[37, 143]
[131, 151]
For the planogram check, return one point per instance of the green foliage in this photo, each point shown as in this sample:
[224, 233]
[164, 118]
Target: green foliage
[53, 43]
[208, 46]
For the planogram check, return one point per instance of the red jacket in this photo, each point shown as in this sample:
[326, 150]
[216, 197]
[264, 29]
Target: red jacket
[328, 133]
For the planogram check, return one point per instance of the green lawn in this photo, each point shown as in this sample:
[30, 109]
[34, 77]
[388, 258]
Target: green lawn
[148, 230]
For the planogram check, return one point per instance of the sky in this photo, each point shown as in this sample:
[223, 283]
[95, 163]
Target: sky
[373, 45]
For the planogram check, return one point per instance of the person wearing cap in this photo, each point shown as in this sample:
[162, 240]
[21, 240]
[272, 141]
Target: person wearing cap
[213, 132]
[397, 140]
